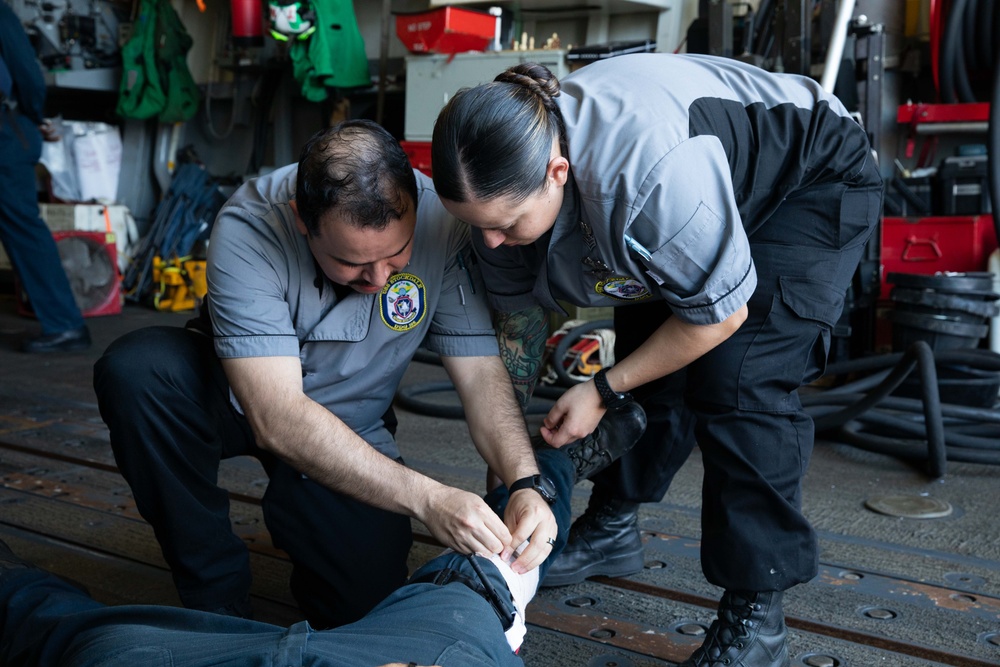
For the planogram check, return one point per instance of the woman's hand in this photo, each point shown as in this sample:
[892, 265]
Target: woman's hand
[575, 414]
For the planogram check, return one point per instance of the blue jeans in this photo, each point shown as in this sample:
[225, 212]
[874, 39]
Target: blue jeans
[46, 621]
[32, 250]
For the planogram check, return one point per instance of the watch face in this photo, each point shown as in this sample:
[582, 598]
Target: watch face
[540, 483]
[545, 487]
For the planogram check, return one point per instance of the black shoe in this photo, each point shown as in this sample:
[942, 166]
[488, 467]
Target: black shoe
[749, 632]
[71, 340]
[605, 540]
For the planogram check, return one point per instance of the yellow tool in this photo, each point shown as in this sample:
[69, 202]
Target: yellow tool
[182, 283]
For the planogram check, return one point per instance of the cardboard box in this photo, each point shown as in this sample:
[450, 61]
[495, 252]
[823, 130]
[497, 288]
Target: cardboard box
[432, 80]
[89, 218]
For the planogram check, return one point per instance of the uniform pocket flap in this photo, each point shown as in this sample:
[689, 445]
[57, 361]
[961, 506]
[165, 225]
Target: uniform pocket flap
[812, 299]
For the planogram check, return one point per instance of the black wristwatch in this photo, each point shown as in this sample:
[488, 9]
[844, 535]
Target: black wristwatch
[540, 483]
[612, 399]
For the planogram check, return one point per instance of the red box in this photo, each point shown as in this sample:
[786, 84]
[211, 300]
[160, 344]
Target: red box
[941, 243]
[446, 30]
[926, 246]
[419, 153]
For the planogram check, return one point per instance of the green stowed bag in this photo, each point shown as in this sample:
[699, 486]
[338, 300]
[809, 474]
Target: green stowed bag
[156, 80]
[334, 55]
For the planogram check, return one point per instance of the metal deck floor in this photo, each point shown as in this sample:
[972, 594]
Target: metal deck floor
[891, 591]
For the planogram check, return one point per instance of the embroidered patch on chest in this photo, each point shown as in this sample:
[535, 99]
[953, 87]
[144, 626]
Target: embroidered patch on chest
[402, 302]
[622, 288]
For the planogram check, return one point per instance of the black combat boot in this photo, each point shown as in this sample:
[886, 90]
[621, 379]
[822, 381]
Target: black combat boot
[616, 433]
[749, 632]
[604, 540]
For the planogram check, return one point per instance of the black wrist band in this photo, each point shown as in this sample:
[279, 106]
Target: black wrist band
[612, 399]
[539, 483]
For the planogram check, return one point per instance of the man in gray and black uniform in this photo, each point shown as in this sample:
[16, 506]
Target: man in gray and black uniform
[323, 279]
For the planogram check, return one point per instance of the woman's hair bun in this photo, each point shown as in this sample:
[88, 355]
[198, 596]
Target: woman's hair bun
[537, 78]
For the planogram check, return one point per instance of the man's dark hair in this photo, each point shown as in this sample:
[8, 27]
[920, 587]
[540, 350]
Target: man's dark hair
[357, 168]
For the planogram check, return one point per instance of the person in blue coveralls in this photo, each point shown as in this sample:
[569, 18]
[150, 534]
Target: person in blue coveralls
[25, 236]
[456, 611]
[324, 277]
[725, 209]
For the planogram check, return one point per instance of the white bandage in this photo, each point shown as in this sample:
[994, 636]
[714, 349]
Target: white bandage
[522, 589]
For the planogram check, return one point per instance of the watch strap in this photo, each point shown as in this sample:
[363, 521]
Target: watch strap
[612, 399]
[523, 483]
[533, 482]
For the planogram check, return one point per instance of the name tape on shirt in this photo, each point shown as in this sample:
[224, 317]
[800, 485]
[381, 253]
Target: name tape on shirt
[402, 302]
[622, 288]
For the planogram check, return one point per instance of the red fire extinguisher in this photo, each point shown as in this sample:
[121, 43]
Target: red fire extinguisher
[248, 23]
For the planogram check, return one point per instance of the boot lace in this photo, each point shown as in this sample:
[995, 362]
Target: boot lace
[588, 453]
[729, 630]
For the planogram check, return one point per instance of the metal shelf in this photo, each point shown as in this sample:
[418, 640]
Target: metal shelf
[105, 78]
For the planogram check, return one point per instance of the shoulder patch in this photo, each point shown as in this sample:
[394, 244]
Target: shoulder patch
[622, 288]
[402, 302]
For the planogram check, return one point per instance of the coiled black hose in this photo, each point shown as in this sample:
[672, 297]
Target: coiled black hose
[984, 33]
[949, 432]
[954, 78]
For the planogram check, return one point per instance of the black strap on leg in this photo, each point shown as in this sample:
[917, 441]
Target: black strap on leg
[500, 601]
[502, 604]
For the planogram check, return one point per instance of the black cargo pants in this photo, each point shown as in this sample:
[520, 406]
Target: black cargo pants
[740, 401]
[166, 401]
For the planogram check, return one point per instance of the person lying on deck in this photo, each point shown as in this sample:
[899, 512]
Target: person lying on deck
[456, 610]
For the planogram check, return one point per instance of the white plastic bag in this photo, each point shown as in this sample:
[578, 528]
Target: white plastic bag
[85, 163]
[97, 150]
[57, 157]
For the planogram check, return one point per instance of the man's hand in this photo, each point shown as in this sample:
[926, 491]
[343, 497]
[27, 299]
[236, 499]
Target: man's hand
[575, 414]
[464, 522]
[529, 517]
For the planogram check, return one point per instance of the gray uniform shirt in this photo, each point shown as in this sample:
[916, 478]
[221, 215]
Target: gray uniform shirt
[268, 297]
[676, 160]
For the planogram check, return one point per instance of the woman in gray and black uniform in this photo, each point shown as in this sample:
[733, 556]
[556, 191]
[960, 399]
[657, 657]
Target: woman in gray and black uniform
[728, 209]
